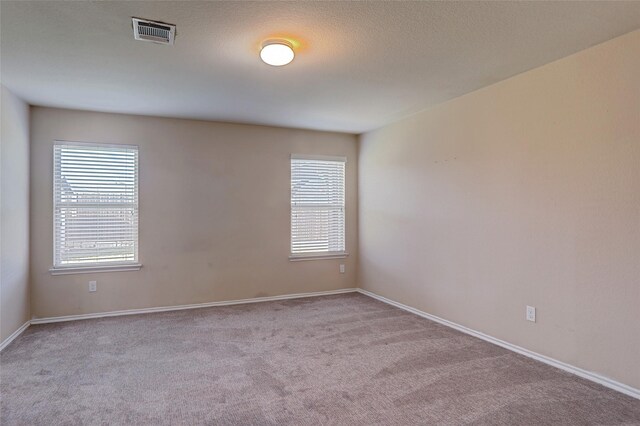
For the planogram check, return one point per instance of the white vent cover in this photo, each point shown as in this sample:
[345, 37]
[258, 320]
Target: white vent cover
[157, 32]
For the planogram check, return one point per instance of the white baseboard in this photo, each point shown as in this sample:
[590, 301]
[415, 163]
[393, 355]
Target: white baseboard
[594, 377]
[15, 334]
[194, 306]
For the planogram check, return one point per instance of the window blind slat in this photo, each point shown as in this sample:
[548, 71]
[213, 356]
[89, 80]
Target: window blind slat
[95, 204]
[317, 206]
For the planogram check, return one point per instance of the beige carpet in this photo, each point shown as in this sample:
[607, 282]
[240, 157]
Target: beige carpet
[344, 359]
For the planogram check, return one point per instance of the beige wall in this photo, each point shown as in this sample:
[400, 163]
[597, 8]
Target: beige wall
[14, 213]
[214, 213]
[526, 192]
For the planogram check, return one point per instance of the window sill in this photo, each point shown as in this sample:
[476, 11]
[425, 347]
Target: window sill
[94, 269]
[316, 256]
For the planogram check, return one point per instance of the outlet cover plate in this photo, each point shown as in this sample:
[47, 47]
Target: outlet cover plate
[531, 313]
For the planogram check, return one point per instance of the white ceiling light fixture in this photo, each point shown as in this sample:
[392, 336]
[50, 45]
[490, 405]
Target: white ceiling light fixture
[277, 52]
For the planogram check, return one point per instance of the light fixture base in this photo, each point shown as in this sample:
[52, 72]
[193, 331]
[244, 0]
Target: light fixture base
[277, 52]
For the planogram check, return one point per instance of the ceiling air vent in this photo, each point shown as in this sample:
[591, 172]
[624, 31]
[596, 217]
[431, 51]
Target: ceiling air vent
[157, 32]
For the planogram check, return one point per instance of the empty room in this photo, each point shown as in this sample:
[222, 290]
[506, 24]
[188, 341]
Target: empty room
[320, 213]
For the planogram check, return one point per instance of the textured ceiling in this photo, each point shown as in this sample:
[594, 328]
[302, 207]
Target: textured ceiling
[359, 64]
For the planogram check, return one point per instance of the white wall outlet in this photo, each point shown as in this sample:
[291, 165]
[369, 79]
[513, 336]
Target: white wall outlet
[342, 268]
[531, 313]
[93, 286]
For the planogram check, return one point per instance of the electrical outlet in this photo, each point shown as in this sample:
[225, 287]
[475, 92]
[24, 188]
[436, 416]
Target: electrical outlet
[93, 286]
[531, 313]
[342, 268]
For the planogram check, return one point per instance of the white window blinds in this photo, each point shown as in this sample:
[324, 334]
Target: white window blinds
[95, 202]
[317, 205]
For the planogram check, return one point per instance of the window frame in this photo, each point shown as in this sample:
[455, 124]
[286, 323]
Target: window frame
[80, 268]
[317, 255]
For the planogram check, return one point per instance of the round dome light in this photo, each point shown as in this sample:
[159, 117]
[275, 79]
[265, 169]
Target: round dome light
[277, 52]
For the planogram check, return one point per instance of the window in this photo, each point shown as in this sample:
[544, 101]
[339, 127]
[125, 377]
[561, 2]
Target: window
[317, 206]
[95, 203]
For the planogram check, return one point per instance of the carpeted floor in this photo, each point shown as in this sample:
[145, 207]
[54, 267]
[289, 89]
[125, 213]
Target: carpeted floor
[345, 359]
